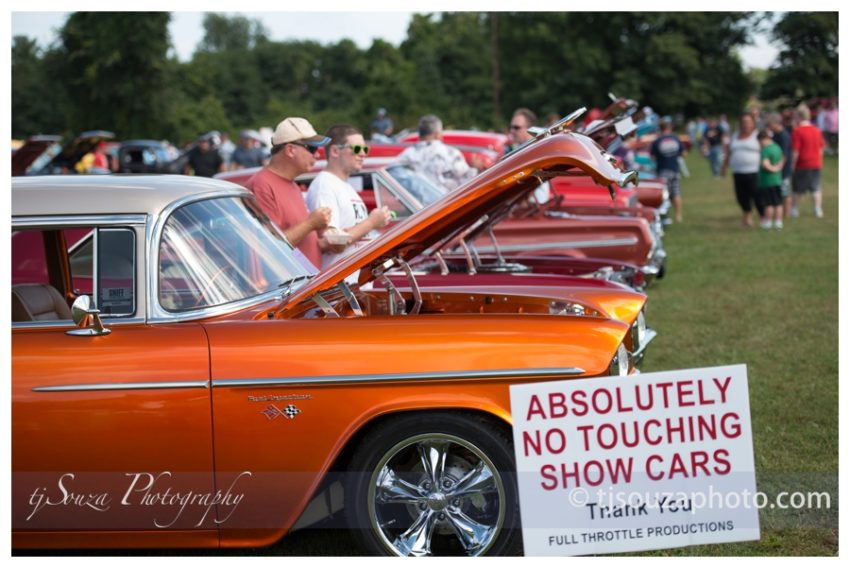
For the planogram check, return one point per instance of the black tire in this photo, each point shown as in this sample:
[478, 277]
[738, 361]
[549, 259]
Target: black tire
[394, 508]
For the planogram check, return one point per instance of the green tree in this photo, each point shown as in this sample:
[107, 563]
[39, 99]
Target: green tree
[224, 33]
[453, 75]
[114, 71]
[807, 64]
[676, 62]
[38, 104]
[389, 83]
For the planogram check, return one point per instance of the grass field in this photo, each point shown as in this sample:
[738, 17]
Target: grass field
[768, 299]
[765, 298]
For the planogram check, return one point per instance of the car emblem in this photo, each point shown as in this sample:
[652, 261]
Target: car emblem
[289, 412]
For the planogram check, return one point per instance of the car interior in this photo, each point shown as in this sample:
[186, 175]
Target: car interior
[38, 302]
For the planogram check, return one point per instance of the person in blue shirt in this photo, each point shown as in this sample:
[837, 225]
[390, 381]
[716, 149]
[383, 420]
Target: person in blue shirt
[666, 150]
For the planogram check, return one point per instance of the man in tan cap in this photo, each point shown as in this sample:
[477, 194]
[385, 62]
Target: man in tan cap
[294, 147]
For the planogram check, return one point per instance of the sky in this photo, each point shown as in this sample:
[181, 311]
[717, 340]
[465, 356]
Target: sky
[325, 27]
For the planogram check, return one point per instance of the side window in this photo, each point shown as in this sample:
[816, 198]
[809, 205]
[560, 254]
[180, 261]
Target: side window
[29, 263]
[383, 196]
[81, 258]
[116, 273]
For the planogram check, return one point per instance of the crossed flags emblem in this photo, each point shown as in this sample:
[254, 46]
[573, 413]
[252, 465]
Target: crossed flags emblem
[289, 412]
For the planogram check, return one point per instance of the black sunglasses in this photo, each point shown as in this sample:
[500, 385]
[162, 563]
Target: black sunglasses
[312, 148]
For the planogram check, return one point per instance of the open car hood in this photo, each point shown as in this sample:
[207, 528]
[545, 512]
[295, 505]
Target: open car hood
[557, 154]
[74, 151]
[34, 147]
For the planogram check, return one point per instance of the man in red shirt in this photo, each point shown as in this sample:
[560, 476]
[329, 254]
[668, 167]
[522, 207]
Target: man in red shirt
[806, 161]
[294, 147]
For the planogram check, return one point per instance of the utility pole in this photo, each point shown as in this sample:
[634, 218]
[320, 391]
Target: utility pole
[494, 66]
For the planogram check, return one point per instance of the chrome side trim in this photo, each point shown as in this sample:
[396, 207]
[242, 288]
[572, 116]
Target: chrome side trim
[562, 244]
[78, 220]
[58, 324]
[126, 386]
[435, 376]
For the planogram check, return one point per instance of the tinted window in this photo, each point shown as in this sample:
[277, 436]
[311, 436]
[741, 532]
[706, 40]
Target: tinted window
[116, 271]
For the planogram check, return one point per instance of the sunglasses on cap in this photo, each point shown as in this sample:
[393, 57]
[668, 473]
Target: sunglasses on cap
[312, 148]
[356, 148]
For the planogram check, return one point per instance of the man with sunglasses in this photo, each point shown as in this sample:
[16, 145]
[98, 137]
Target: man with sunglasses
[521, 121]
[294, 146]
[330, 189]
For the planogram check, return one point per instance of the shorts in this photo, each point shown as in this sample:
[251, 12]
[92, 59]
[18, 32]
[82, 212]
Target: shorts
[831, 138]
[806, 181]
[770, 196]
[785, 188]
[674, 182]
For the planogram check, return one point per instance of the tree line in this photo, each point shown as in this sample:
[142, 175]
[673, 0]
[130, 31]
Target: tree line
[113, 71]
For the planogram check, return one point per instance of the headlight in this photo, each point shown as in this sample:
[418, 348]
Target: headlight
[620, 362]
[570, 309]
[639, 331]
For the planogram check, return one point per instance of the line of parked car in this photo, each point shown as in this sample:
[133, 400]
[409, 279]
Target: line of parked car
[182, 377]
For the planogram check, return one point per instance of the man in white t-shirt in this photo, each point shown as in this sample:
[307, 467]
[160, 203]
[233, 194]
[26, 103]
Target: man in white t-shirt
[331, 189]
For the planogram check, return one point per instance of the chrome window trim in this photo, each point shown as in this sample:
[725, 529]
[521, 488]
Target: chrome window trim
[398, 191]
[46, 221]
[96, 274]
[562, 244]
[49, 324]
[202, 384]
[155, 312]
[412, 377]
[216, 310]
[130, 222]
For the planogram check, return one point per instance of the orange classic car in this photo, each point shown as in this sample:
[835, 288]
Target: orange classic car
[213, 391]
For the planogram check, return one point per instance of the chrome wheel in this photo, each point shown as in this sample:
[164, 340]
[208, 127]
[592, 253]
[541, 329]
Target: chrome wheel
[436, 494]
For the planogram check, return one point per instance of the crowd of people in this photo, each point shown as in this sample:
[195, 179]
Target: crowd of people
[333, 220]
[775, 160]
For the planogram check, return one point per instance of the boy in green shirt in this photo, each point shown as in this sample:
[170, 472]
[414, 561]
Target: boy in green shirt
[770, 180]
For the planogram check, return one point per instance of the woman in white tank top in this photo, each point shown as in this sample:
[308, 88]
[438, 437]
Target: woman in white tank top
[742, 156]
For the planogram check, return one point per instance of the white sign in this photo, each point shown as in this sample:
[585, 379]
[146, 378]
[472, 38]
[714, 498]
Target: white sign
[620, 464]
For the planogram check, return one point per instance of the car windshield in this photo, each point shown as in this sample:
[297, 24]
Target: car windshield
[417, 185]
[218, 251]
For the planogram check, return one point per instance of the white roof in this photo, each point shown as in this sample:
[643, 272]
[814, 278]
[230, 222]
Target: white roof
[107, 194]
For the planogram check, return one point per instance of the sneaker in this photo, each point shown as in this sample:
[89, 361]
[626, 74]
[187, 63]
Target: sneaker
[777, 225]
[795, 212]
[765, 224]
[818, 212]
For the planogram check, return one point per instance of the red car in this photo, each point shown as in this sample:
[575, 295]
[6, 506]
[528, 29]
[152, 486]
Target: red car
[625, 249]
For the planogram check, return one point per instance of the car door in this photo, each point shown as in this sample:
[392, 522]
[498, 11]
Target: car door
[109, 432]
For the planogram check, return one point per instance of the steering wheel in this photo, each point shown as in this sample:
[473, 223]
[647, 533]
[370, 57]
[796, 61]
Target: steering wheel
[228, 270]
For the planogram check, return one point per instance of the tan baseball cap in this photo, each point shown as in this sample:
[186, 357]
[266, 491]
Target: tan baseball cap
[295, 129]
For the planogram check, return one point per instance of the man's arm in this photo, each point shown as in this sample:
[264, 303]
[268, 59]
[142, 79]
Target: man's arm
[316, 221]
[377, 218]
[461, 170]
